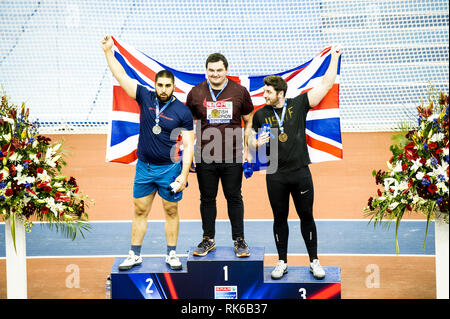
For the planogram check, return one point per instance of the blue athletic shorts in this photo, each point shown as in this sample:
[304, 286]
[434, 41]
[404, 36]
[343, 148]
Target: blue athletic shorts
[150, 178]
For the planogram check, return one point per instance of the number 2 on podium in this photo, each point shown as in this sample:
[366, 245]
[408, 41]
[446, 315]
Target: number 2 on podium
[150, 284]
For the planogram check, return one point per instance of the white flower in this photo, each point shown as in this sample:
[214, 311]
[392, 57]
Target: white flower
[420, 175]
[393, 205]
[19, 169]
[403, 185]
[441, 170]
[437, 137]
[23, 179]
[398, 167]
[53, 206]
[14, 157]
[5, 173]
[416, 165]
[44, 176]
[34, 158]
[7, 137]
[388, 185]
[50, 163]
[48, 154]
[442, 188]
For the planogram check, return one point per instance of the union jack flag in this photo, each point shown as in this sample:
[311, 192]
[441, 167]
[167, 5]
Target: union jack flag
[323, 131]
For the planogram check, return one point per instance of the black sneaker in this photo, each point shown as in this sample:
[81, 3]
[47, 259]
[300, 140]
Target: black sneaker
[241, 248]
[204, 247]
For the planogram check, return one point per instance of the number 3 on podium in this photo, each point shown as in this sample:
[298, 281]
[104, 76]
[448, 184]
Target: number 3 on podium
[302, 292]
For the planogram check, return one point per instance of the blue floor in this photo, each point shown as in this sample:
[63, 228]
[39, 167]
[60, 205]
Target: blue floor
[335, 237]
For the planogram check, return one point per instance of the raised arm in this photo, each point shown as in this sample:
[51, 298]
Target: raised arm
[316, 94]
[127, 83]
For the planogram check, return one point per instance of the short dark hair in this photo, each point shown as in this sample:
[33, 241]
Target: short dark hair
[277, 82]
[216, 57]
[165, 74]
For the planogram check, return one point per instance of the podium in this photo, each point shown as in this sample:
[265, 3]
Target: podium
[220, 275]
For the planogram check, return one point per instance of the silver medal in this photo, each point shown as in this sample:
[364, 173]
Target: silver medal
[156, 129]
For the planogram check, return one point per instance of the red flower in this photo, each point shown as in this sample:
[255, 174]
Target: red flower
[47, 189]
[41, 184]
[12, 170]
[432, 188]
[423, 161]
[379, 192]
[438, 151]
[1, 176]
[408, 207]
[9, 192]
[44, 210]
[405, 166]
[39, 170]
[369, 203]
[410, 152]
[432, 146]
[8, 148]
[61, 197]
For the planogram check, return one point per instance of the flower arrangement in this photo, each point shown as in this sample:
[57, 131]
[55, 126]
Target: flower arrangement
[31, 186]
[417, 178]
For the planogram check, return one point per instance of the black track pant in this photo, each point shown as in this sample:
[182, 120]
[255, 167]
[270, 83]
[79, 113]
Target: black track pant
[299, 185]
[230, 175]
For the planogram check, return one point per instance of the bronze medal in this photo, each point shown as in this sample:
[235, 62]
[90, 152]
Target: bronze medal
[283, 137]
[156, 129]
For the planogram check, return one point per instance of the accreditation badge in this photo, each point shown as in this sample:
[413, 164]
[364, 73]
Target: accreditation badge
[220, 112]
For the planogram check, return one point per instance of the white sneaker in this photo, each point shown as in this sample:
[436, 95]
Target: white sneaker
[173, 261]
[131, 261]
[280, 269]
[316, 269]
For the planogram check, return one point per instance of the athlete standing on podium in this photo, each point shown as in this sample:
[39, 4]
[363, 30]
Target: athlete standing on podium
[220, 105]
[293, 177]
[161, 114]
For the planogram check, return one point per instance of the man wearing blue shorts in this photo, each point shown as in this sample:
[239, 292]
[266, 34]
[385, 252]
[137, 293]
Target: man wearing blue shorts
[162, 119]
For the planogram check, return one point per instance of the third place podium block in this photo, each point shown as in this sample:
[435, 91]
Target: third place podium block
[220, 275]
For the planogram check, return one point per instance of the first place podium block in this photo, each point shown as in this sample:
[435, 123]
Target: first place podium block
[220, 275]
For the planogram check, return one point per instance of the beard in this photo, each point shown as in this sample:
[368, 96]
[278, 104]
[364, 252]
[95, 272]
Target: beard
[164, 98]
[272, 102]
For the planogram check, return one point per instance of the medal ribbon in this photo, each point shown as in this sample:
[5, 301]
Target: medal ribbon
[158, 112]
[214, 97]
[280, 122]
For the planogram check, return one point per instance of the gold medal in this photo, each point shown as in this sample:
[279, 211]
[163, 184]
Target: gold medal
[156, 129]
[215, 113]
[283, 137]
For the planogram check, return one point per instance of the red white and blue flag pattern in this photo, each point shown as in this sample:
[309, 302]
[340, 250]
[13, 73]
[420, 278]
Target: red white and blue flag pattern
[323, 130]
